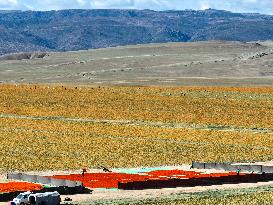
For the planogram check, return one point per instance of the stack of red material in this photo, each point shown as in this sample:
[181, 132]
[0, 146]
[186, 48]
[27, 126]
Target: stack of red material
[111, 180]
[102, 180]
[19, 186]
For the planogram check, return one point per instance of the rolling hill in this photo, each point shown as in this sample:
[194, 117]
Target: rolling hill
[224, 63]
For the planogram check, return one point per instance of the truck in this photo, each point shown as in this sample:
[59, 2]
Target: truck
[29, 198]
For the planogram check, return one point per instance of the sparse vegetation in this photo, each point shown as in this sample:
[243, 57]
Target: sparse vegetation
[215, 63]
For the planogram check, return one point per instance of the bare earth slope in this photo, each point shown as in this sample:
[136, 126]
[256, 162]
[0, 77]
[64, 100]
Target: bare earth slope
[197, 63]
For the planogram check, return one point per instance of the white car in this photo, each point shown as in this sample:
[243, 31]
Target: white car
[22, 198]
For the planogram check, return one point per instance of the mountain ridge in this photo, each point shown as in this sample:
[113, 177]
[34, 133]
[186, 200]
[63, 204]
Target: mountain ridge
[72, 30]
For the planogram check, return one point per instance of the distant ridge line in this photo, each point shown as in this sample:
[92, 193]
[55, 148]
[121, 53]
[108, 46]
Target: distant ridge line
[79, 29]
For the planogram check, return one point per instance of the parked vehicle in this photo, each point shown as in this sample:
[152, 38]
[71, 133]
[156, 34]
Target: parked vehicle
[29, 198]
[22, 198]
[48, 198]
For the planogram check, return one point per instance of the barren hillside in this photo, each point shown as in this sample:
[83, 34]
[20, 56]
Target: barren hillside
[196, 63]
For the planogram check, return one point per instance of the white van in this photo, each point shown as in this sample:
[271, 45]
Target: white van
[47, 198]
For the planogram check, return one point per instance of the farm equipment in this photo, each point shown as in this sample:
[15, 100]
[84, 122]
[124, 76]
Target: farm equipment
[29, 198]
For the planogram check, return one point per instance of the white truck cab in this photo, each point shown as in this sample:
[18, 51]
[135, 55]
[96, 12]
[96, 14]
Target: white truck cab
[22, 198]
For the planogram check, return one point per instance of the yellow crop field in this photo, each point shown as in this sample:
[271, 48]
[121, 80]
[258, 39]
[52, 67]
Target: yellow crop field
[63, 128]
[244, 107]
